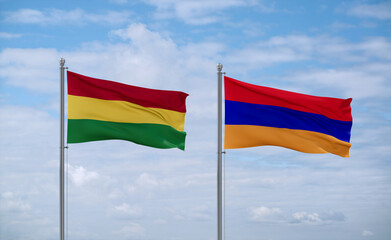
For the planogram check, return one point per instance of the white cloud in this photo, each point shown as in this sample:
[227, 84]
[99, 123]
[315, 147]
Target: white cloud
[133, 230]
[198, 12]
[372, 78]
[145, 59]
[380, 11]
[149, 185]
[149, 57]
[80, 176]
[276, 215]
[16, 205]
[298, 48]
[361, 69]
[125, 211]
[146, 184]
[160, 221]
[62, 17]
[26, 126]
[11, 203]
[367, 233]
[202, 179]
[25, 16]
[342, 26]
[201, 213]
[5, 35]
[266, 214]
[7, 195]
[34, 69]
[306, 217]
[317, 218]
[145, 180]
[195, 213]
[375, 47]
[119, 1]
[145, 40]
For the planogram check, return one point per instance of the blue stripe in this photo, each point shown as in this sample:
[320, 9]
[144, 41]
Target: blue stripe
[239, 113]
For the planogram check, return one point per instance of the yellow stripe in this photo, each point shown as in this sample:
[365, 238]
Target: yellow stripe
[122, 111]
[242, 136]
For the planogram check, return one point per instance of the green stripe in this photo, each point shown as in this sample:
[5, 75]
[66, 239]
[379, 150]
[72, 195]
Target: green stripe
[153, 135]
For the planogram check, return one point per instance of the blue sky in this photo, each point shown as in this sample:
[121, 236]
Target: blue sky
[119, 190]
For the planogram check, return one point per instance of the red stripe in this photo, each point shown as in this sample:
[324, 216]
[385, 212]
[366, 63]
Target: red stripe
[84, 86]
[333, 108]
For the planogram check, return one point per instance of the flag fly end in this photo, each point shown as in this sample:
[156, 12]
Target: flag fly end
[260, 116]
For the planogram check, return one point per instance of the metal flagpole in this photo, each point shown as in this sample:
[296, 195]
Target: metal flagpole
[62, 148]
[219, 153]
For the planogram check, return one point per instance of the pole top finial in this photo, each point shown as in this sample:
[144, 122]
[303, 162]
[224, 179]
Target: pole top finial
[62, 61]
[219, 67]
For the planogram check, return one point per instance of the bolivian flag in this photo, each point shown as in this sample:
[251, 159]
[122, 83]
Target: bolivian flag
[257, 116]
[101, 110]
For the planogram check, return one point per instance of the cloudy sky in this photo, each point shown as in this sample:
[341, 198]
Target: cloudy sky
[119, 190]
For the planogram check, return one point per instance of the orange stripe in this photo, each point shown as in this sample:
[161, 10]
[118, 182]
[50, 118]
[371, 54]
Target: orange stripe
[243, 136]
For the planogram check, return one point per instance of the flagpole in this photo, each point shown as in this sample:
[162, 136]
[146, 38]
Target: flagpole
[62, 149]
[219, 153]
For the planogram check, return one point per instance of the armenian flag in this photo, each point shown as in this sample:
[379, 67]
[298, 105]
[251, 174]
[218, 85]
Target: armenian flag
[258, 116]
[102, 110]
